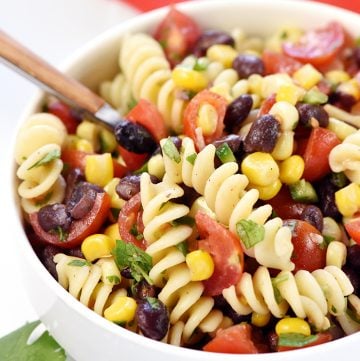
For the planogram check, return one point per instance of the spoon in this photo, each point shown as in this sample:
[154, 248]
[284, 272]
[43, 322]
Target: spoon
[131, 136]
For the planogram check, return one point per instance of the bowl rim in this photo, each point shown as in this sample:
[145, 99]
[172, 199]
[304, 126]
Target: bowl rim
[115, 32]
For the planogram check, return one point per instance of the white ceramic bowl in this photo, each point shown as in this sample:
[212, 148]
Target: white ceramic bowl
[87, 336]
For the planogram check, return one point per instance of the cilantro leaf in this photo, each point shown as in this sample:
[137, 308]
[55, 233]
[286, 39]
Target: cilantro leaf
[170, 150]
[14, 347]
[250, 232]
[113, 279]
[296, 339]
[138, 261]
[47, 158]
[191, 158]
[79, 263]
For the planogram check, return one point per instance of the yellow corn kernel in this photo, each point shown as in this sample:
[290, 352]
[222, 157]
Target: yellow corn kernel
[99, 169]
[224, 54]
[336, 254]
[307, 76]
[340, 128]
[112, 231]
[269, 191]
[255, 82]
[337, 76]
[286, 113]
[284, 145]
[260, 168]
[110, 189]
[200, 264]
[222, 89]
[156, 166]
[292, 169]
[350, 87]
[292, 325]
[97, 246]
[271, 83]
[289, 93]
[84, 145]
[122, 310]
[241, 87]
[331, 229]
[256, 101]
[292, 34]
[207, 119]
[347, 200]
[89, 131]
[189, 79]
[107, 141]
[260, 320]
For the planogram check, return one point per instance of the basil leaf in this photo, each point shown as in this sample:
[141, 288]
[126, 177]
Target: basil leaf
[79, 263]
[191, 158]
[15, 347]
[138, 261]
[182, 247]
[296, 339]
[47, 158]
[170, 150]
[250, 232]
[113, 279]
[187, 220]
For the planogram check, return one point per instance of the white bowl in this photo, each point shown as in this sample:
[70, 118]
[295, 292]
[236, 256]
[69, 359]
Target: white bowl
[87, 336]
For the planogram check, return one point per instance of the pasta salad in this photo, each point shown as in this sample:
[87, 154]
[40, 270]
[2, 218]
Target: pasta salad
[240, 233]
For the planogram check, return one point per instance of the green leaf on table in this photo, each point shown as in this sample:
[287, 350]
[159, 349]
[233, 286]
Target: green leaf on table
[15, 347]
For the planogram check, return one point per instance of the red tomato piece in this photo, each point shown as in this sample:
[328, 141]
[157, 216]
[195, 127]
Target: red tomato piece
[132, 160]
[235, 339]
[130, 222]
[353, 229]
[318, 47]
[79, 229]
[322, 337]
[309, 248]
[279, 63]
[177, 33]
[267, 105]
[226, 252]
[316, 155]
[192, 111]
[66, 114]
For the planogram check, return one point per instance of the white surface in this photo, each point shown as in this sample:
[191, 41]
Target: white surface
[53, 29]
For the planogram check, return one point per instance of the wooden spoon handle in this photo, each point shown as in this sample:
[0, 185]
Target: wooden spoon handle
[49, 77]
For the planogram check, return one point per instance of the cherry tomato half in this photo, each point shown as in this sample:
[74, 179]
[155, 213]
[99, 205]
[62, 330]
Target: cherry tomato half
[130, 223]
[235, 339]
[226, 252]
[309, 248]
[318, 47]
[66, 114]
[353, 228]
[79, 229]
[192, 111]
[279, 63]
[177, 33]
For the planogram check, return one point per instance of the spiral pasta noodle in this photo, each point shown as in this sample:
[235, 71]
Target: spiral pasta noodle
[345, 157]
[182, 296]
[309, 295]
[148, 74]
[224, 183]
[91, 284]
[40, 137]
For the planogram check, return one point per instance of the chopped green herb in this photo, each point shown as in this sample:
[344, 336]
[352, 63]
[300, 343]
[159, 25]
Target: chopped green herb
[132, 104]
[328, 239]
[115, 212]
[142, 169]
[315, 96]
[275, 281]
[138, 261]
[200, 64]
[16, 346]
[187, 220]
[284, 35]
[182, 247]
[170, 150]
[353, 315]
[47, 158]
[339, 179]
[60, 233]
[250, 232]
[153, 302]
[333, 309]
[225, 153]
[163, 43]
[79, 263]
[303, 191]
[277, 295]
[191, 158]
[44, 200]
[296, 339]
[113, 279]
[357, 41]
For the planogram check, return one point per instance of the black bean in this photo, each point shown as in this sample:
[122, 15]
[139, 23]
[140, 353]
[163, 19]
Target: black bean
[248, 64]
[75, 252]
[209, 38]
[325, 190]
[143, 289]
[356, 55]
[134, 137]
[47, 259]
[128, 186]
[354, 277]
[262, 135]
[75, 176]
[126, 272]
[342, 100]
[152, 317]
[236, 112]
[53, 216]
[189, 196]
[308, 112]
[353, 257]
[222, 305]
[313, 215]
